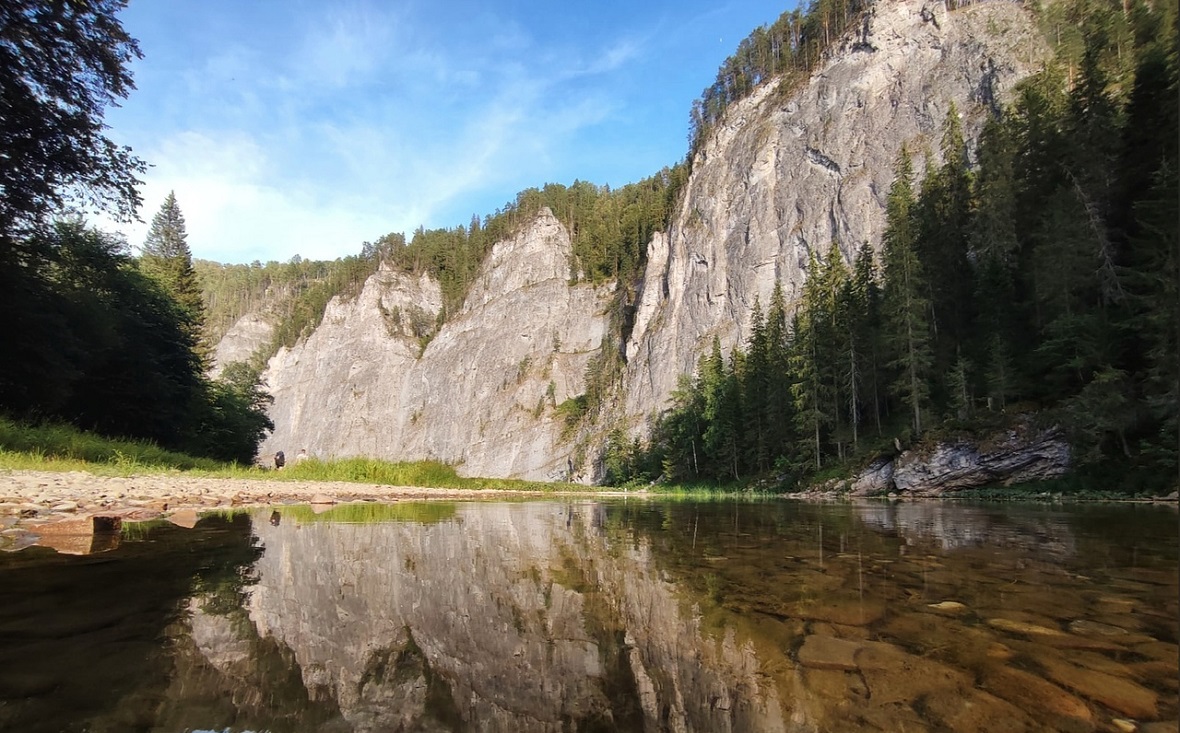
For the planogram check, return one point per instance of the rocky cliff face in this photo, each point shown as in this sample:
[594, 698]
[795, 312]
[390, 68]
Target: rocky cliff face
[481, 393]
[785, 175]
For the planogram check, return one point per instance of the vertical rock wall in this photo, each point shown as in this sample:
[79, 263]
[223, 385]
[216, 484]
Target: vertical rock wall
[786, 174]
[480, 395]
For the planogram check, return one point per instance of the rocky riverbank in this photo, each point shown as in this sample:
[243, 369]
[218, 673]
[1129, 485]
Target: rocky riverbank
[37, 504]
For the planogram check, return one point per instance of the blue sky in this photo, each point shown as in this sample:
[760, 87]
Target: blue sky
[311, 126]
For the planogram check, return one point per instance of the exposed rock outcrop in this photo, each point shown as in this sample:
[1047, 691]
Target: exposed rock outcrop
[1015, 457]
[247, 336]
[785, 176]
[1018, 455]
[480, 395]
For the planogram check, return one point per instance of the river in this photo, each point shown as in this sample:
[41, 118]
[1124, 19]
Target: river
[587, 615]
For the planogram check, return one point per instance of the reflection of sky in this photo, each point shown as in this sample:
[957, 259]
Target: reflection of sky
[954, 526]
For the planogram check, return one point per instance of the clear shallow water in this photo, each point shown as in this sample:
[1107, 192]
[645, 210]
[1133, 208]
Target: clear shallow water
[589, 616]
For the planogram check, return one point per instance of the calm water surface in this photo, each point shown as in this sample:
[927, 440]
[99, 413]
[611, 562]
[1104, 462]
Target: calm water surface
[600, 616]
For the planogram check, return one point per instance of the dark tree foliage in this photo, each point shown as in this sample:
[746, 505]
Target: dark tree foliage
[61, 65]
[166, 257]
[117, 356]
[1044, 279]
[90, 338]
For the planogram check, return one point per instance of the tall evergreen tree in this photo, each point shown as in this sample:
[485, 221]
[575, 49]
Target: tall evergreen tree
[755, 381]
[1000, 326]
[942, 243]
[907, 324]
[166, 257]
[778, 389]
[864, 304]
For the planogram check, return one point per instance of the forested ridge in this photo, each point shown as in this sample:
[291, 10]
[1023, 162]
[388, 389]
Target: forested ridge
[1036, 276]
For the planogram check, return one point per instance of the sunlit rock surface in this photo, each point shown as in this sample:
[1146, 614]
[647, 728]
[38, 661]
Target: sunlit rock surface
[480, 395]
[247, 335]
[786, 175]
[782, 177]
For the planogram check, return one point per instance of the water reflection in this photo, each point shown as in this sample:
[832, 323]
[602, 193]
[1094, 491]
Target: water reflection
[605, 616]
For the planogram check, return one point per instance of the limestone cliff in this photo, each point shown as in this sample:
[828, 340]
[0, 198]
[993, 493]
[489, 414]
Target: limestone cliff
[788, 175]
[785, 174]
[481, 393]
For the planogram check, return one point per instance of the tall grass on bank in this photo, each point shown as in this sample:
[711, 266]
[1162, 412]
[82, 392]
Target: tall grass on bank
[64, 448]
[51, 447]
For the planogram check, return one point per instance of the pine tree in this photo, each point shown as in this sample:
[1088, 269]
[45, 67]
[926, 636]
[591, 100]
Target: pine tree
[755, 381]
[167, 259]
[907, 323]
[779, 419]
[996, 247]
[864, 304]
[722, 413]
[806, 367]
[942, 244]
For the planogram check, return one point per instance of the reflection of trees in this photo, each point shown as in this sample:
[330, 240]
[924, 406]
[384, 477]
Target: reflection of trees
[80, 636]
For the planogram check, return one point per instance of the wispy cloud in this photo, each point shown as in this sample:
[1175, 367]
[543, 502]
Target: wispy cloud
[311, 127]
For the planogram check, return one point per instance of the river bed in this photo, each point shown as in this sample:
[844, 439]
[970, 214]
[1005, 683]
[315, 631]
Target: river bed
[601, 614]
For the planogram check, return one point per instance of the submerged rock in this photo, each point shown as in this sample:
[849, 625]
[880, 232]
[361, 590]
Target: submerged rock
[826, 652]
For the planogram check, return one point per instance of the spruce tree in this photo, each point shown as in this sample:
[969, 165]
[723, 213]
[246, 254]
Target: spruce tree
[907, 324]
[942, 215]
[755, 380]
[864, 304]
[167, 259]
[778, 388]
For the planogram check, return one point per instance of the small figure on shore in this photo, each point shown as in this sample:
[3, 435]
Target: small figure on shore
[275, 518]
[301, 456]
[280, 460]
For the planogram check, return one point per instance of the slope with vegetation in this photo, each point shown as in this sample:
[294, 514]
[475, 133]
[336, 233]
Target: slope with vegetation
[1038, 273]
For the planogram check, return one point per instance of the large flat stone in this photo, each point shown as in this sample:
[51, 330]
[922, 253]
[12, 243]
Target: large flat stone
[1042, 699]
[1117, 693]
[826, 652]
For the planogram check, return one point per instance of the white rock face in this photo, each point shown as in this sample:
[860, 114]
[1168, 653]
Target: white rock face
[785, 176]
[480, 396]
[249, 334]
[335, 393]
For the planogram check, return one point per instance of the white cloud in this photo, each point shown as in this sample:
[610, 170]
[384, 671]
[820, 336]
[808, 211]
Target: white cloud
[362, 122]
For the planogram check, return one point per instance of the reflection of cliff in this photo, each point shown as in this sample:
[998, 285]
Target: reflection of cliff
[680, 617]
[953, 525]
[511, 617]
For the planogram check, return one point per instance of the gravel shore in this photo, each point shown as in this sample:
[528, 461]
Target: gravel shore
[48, 495]
[81, 513]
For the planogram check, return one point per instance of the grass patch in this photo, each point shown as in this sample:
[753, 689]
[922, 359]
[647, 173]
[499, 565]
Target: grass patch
[51, 447]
